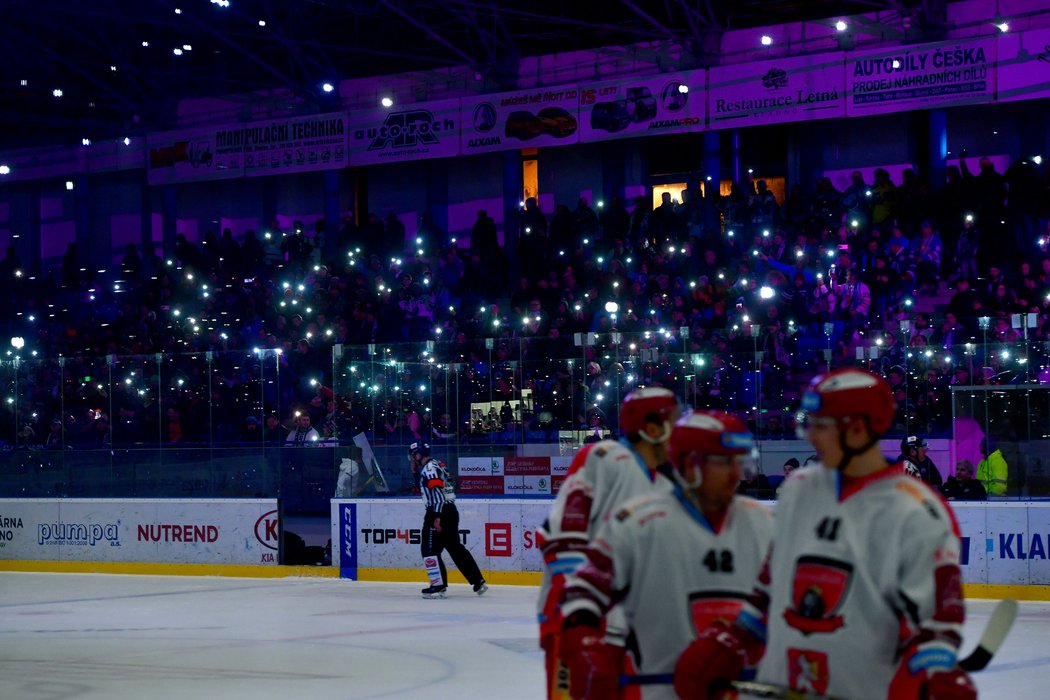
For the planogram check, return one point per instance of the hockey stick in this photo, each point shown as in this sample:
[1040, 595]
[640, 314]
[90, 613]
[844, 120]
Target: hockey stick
[752, 689]
[999, 624]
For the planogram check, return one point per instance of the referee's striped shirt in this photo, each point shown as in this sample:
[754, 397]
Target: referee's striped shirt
[434, 486]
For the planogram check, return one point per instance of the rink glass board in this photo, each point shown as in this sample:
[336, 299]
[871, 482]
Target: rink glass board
[178, 531]
[1003, 543]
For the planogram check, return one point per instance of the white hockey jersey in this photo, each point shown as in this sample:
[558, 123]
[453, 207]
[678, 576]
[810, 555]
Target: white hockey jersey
[857, 573]
[671, 573]
[602, 475]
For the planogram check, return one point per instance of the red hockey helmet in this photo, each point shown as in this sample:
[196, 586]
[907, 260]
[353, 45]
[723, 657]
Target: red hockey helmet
[844, 394]
[647, 405]
[707, 434]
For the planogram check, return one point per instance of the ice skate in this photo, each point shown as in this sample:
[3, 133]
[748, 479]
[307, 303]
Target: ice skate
[435, 591]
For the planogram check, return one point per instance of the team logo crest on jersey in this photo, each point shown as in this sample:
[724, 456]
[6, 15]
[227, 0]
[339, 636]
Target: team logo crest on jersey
[707, 607]
[820, 586]
[808, 671]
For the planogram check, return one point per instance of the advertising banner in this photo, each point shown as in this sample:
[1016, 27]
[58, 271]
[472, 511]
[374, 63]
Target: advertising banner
[1005, 543]
[479, 466]
[922, 76]
[1023, 66]
[663, 104]
[191, 155]
[781, 90]
[346, 524]
[1002, 543]
[181, 531]
[500, 533]
[292, 145]
[413, 132]
[523, 119]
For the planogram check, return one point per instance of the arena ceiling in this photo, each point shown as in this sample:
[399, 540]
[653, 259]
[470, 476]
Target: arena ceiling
[99, 69]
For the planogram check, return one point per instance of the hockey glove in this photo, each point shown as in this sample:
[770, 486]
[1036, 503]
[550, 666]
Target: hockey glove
[927, 671]
[713, 659]
[594, 665]
[950, 685]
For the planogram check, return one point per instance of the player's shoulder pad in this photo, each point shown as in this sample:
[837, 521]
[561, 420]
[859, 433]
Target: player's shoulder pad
[804, 475]
[641, 508]
[925, 500]
[598, 453]
[751, 505]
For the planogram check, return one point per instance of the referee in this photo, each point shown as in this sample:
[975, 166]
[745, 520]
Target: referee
[441, 525]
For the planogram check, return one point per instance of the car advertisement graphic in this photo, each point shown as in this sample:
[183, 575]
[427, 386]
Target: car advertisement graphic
[536, 117]
[660, 104]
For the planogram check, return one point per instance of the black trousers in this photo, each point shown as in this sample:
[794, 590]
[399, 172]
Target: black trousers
[434, 543]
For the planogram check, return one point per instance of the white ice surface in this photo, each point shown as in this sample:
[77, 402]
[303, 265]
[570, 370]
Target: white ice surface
[144, 637]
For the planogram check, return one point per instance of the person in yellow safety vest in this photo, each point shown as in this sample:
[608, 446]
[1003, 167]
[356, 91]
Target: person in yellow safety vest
[991, 470]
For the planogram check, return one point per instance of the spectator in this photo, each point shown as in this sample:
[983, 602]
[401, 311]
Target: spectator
[789, 466]
[763, 207]
[992, 470]
[927, 251]
[987, 190]
[962, 486]
[854, 303]
[883, 198]
[273, 431]
[303, 435]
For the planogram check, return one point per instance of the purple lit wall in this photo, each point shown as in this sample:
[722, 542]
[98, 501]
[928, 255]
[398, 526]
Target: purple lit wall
[122, 209]
[57, 225]
[5, 225]
[474, 182]
[399, 188]
[124, 229]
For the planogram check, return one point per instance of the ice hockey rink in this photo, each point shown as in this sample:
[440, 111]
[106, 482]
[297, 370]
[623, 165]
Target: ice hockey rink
[112, 637]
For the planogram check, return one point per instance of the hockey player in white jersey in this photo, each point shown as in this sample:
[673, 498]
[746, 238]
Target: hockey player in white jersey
[601, 475]
[861, 597]
[674, 561]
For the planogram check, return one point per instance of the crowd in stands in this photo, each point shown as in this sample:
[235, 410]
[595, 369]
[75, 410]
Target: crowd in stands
[229, 340]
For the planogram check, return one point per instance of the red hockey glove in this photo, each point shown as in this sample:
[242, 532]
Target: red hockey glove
[950, 685]
[713, 659]
[594, 666]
